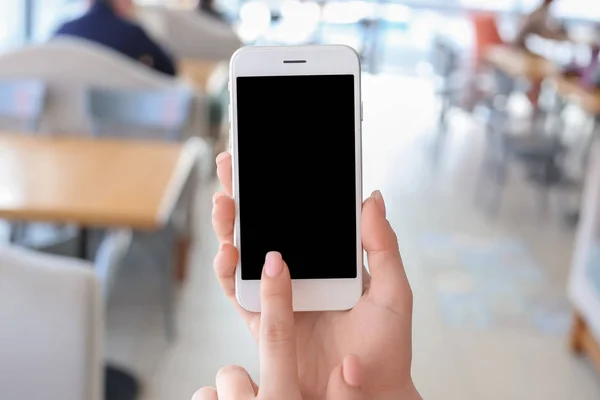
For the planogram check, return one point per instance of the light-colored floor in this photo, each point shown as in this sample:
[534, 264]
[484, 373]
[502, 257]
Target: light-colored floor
[449, 362]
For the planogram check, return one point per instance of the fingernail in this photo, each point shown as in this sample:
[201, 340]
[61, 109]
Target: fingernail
[351, 371]
[273, 264]
[379, 201]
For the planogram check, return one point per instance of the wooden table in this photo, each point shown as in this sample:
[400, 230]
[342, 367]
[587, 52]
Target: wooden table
[92, 182]
[96, 183]
[571, 89]
[519, 63]
[196, 72]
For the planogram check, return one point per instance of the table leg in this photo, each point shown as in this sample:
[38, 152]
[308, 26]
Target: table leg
[182, 250]
[15, 232]
[577, 331]
[583, 341]
[590, 144]
[82, 243]
[184, 221]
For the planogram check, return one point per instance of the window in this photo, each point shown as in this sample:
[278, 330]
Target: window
[12, 24]
[49, 14]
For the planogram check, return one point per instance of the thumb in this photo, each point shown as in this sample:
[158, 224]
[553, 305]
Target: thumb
[345, 382]
[389, 284]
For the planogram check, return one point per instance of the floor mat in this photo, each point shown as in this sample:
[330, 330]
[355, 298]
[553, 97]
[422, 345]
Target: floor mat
[484, 283]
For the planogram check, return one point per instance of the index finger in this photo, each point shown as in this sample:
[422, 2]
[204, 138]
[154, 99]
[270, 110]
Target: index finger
[277, 340]
[224, 172]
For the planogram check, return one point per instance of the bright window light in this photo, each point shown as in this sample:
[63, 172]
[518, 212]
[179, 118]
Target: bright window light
[255, 19]
[347, 13]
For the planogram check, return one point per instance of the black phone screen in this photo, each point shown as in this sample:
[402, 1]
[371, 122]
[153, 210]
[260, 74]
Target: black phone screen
[297, 182]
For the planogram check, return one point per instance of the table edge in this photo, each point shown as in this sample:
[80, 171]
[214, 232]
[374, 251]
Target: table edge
[187, 160]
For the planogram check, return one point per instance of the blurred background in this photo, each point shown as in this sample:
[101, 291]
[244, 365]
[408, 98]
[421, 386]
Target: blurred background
[480, 126]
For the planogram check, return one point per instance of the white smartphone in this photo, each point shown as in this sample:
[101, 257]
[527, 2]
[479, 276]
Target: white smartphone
[296, 144]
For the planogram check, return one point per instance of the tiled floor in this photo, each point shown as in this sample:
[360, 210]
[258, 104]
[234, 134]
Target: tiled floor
[449, 362]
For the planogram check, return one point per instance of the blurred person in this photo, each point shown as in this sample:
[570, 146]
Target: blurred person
[111, 23]
[363, 353]
[539, 22]
[208, 7]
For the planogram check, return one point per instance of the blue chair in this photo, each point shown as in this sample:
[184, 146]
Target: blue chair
[23, 100]
[111, 110]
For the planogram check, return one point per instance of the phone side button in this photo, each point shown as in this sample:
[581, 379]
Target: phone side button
[361, 110]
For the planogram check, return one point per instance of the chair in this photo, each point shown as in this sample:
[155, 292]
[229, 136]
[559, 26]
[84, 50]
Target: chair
[52, 330]
[446, 62]
[541, 151]
[449, 86]
[157, 111]
[110, 256]
[120, 248]
[23, 100]
[78, 64]
[487, 35]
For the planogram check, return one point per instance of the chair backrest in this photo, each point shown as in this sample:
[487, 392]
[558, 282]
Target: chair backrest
[22, 100]
[164, 111]
[51, 327]
[486, 32]
[69, 66]
[109, 257]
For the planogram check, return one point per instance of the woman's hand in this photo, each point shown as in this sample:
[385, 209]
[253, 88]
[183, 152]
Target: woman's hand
[277, 345]
[378, 330]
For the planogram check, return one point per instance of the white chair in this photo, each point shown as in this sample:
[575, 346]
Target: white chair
[51, 328]
[69, 66]
[188, 34]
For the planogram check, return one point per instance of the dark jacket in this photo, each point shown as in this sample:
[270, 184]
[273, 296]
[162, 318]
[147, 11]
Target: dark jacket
[101, 25]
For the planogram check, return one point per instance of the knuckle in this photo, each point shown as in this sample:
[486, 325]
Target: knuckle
[279, 332]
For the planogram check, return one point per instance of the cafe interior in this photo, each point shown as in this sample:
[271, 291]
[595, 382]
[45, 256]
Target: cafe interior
[480, 124]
